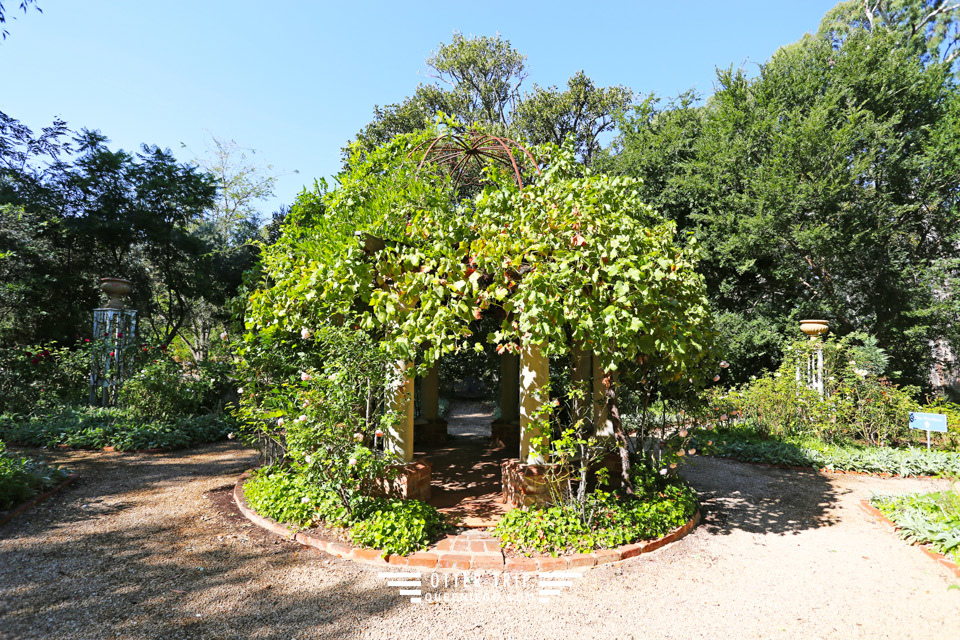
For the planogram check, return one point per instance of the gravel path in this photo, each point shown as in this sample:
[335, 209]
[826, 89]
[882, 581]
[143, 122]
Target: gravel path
[149, 546]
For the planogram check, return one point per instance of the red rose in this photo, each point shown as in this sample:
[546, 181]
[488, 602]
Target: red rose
[111, 353]
[46, 352]
[35, 361]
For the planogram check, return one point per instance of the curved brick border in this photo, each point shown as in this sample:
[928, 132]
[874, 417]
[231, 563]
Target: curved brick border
[938, 557]
[459, 560]
[10, 515]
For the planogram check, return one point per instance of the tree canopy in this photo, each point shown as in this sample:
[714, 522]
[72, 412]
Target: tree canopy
[826, 186]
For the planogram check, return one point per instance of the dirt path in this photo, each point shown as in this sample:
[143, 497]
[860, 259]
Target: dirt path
[150, 547]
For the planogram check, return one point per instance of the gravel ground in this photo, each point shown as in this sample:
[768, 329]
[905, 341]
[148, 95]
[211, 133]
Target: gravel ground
[149, 546]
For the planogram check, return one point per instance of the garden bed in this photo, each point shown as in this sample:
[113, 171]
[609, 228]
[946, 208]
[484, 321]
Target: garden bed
[879, 461]
[948, 561]
[469, 550]
[113, 429]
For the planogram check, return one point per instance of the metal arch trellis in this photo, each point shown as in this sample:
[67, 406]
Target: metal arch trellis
[455, 151]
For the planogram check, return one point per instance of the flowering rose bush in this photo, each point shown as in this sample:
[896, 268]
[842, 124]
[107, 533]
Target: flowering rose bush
[36, 378]
[858, 402]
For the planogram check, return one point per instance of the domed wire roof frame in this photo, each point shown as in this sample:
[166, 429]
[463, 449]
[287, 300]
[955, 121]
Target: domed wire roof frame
[455, 151]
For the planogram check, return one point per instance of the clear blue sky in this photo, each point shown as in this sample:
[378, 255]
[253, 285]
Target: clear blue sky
[296, 80]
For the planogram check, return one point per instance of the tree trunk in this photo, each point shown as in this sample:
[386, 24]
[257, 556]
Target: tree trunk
[613, 413]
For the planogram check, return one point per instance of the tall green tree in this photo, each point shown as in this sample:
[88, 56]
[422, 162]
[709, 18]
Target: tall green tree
[826, 186]
[478, 80]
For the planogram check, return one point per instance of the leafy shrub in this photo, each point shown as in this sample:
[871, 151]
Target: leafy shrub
[856, 403]
[22, 478]
[40, 377]
[289, 497]
[124, 429]
[165, 388]
[658, 508]
[331, 415]
[932, 519]
[395, 526]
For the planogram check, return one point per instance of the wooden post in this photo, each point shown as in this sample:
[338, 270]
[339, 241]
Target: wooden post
[534, 374]
[400, 437]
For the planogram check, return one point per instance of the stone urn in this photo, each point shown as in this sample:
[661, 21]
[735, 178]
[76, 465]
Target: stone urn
[814, 328]
[116, 289]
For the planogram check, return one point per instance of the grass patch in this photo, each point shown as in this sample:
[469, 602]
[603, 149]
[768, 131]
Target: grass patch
[932, 519]
[394, 526]
[609, 521]
[21, 478]
[123, 429]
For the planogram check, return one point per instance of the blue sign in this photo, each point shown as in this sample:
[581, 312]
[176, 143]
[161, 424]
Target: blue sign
[928, 421]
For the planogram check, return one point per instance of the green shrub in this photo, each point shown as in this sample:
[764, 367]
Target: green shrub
[39, 377]
[22, 478]
[395, 526]
[856, 404]
[166, 389]
[289, 497]
[124, 429]
[612, 520]
[932, 519]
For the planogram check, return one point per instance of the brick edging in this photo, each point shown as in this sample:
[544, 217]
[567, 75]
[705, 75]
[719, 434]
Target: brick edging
[32, 502]
[459, 560]
[938, 557]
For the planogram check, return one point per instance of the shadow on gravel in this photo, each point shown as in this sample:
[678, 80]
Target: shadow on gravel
[757, 499]
[106, 477]
[150, 583]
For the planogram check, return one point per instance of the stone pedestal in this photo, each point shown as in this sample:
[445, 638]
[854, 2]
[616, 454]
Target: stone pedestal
[413, 481]
[524, 485]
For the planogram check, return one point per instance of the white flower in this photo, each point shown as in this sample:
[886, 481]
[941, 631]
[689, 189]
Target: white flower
[302, 418]
[724, 364]
[306, 403]
[240, 390]
[861, 372]
[305, 333]
[663, 471]
[352, 462]
[358, 436]
[304, 499]
[279, 422]
[223, 335]
[305, 376]
[308, 459]
[230, 436]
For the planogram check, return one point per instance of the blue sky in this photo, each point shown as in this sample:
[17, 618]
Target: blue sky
[296, 80]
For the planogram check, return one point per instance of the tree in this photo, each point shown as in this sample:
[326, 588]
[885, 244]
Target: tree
[478, 80]
[75, 210]
[583, 111]
[931, 26]
[23, 7]
[824, 187]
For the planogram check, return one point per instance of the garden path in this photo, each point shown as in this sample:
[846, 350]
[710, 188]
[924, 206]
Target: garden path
[465, 471]
[150, 546]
